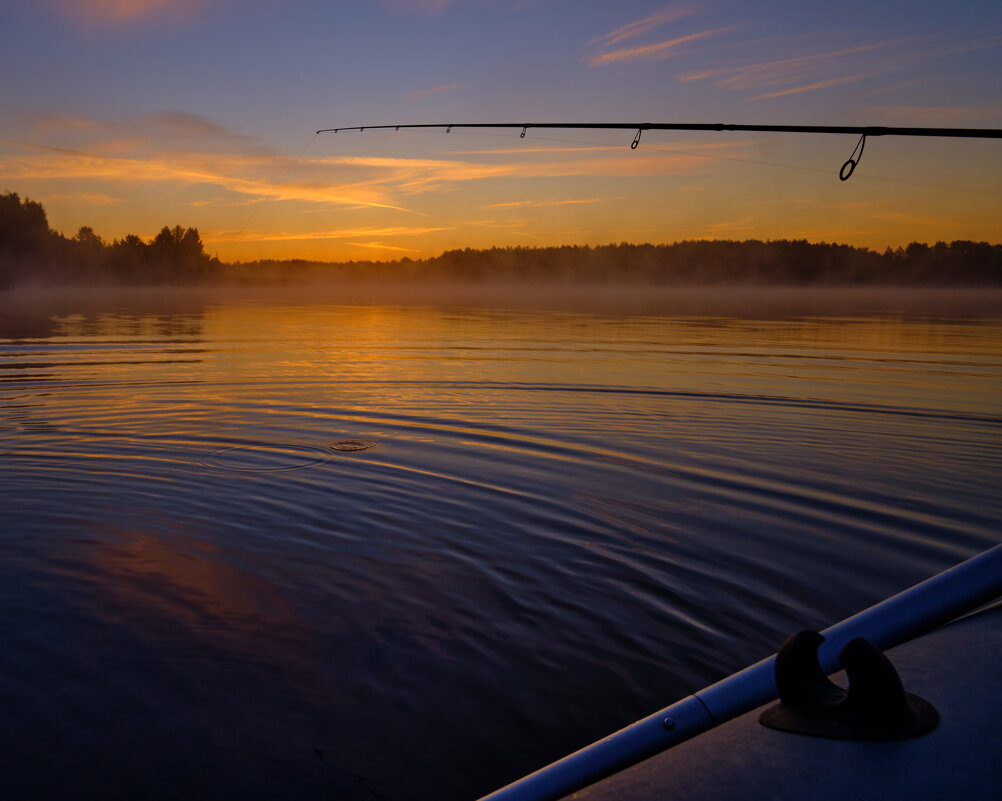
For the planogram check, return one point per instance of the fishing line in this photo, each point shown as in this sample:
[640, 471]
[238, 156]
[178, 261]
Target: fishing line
[257, 206]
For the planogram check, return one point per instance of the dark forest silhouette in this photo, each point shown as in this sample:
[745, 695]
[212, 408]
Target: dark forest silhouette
[31, 252]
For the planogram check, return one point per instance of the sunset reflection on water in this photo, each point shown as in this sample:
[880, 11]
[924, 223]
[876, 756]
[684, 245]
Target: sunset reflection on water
[564, 516]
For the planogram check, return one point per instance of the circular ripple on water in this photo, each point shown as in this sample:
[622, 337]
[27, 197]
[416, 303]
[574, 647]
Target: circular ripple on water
[262, 458]
[352, 445]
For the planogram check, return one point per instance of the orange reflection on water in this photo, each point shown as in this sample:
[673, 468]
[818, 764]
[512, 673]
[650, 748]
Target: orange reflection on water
[185, 585]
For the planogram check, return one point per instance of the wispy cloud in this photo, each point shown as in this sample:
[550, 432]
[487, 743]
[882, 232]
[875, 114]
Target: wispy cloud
[535, 204]
[814, 68]
[116, 12]
[90, 198]
[381, 246]
[433, 91]
[912, 221]
[287, 236]
[743, 225]
[258, 176]
[966, 45]
[658, 50]
[410, 176]
[43, 124]
[894, 87]
[852, 205]
[825, 68]
[667, 14]
[781, 71]
[186, 123]
[152, 131]
[195, 160]
[811, 87]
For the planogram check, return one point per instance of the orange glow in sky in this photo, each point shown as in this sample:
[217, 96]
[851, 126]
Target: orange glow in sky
[127, 115]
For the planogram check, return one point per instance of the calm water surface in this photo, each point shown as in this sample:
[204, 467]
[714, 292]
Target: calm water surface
[444, 543]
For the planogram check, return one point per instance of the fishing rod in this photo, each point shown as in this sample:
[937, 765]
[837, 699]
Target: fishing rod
[862, 131]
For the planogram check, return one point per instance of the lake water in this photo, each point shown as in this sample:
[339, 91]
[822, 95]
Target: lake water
[444, 541]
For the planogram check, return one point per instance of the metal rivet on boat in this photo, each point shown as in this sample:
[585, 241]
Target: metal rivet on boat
[668, 723]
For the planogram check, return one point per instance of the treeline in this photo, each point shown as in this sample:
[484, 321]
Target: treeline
[788, 262]
[31, 252]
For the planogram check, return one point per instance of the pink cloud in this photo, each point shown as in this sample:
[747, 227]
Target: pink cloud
[657, 50]
[667, 14]
[542, 203]
[448, 87]
[811, 87]
[115, 12]
[287, 236]
[795, 70]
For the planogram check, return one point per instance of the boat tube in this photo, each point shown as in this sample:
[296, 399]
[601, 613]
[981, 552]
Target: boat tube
[899, 619]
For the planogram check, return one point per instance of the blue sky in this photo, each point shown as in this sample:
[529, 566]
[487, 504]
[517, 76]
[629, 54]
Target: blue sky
[130, 114]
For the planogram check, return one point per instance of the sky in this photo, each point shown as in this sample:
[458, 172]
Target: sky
[128, 115]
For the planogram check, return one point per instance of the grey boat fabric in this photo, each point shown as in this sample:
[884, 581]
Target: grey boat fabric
[958, 668]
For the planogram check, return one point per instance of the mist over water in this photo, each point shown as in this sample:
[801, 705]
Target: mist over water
[444, 537]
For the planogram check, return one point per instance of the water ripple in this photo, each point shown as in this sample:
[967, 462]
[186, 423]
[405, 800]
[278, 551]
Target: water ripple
[224, 552]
